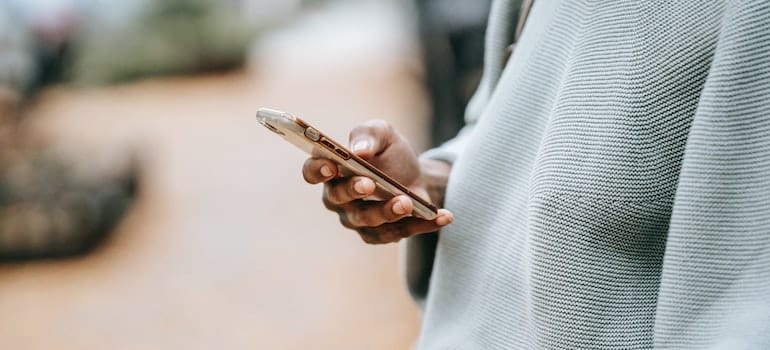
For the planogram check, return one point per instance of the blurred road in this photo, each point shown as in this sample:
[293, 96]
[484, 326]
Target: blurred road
[227, 247]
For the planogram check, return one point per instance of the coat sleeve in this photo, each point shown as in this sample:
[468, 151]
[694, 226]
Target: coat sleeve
[715, 281]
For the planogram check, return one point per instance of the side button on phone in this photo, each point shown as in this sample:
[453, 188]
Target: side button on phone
[342, 153]
[312, 134]
[328, 144]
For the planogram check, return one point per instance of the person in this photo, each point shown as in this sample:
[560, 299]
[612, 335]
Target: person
[451, 37]
[611, 189]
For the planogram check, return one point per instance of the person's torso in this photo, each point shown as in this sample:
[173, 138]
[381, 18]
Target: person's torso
[563, 194]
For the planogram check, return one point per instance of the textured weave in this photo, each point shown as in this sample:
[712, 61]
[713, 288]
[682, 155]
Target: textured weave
[612, 187]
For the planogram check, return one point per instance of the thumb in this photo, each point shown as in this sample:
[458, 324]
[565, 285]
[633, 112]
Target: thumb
[371, 138]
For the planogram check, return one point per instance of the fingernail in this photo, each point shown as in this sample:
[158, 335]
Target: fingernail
[398, 207]
[362, 145]
[326, 171]
[444, 220]
[361, 186]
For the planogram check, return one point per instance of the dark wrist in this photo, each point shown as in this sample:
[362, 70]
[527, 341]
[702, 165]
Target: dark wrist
[434, 175]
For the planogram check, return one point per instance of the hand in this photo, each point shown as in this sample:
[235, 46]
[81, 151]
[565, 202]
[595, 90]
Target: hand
[376, 219]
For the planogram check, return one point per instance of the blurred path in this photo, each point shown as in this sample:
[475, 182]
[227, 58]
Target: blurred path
[227, 247]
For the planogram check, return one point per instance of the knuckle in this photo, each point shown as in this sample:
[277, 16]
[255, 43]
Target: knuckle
[355, 218]
[306, 173]
[345, 221]
[333, 194]
[400, 231]
[364, 217]
[307, 177]
[369, 220]
[367, 238]
[326, 200]
[370, 236]
[330, 199]
[310, 170]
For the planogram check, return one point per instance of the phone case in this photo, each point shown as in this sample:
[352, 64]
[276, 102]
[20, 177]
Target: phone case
[315, 143]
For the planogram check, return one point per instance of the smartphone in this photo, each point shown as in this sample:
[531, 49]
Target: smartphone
[317, 144]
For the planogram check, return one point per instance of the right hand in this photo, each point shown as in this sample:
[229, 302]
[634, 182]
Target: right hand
[377, 220]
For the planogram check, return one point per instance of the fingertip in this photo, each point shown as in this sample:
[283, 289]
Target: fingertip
[362, 147]
[370, 138]
[317, 170]
[444, 217]
[326, 171]
[363, 185]
[332, 168]
[402, 205]
[408, 204]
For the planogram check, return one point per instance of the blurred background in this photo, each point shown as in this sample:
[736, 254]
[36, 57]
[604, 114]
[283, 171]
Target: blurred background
[141, 205]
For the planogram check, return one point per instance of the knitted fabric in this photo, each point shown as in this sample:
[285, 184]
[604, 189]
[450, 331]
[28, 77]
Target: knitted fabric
[612, 187]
